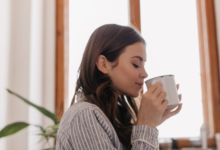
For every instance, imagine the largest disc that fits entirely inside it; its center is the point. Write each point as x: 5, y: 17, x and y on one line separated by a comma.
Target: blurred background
x: 42, y: 42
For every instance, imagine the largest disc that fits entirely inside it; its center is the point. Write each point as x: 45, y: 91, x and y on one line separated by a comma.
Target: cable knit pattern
x: 85, y: 127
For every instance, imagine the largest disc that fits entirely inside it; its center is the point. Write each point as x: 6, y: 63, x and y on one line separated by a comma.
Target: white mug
x: 169, y: 86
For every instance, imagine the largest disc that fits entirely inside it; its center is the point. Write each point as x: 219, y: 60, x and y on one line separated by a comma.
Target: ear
x: 102, y: 64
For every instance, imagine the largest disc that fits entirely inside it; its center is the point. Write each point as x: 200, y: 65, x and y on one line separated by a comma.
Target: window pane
x: 170, y: 30
x: 85, y: 16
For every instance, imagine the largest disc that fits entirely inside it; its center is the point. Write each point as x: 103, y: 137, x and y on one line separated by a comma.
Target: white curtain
x: 27, y: 67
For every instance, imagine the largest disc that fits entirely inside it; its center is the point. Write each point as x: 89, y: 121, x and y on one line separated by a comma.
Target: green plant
x: 47, y: 132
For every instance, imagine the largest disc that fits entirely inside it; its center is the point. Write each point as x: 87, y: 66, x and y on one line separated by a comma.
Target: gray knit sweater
x: 84, y: 126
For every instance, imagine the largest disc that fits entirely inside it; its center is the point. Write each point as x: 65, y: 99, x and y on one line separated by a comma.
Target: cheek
x: 129, y: 73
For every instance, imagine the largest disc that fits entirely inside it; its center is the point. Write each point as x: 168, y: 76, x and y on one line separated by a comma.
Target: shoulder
x: 84, y: 121
x: 71, y: 116
x: 79, y: 107
x: 76, y: 109
x: 83, y: 111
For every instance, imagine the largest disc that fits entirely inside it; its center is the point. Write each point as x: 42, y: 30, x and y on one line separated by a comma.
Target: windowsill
x: 168, y: 143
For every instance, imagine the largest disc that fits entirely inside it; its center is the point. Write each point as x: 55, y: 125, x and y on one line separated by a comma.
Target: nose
x: 144, y: 74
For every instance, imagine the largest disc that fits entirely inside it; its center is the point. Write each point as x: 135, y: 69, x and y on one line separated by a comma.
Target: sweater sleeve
x: 144, y: 137
x: 91, y: 133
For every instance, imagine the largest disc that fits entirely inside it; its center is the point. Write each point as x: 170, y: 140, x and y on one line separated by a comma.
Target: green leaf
x: 41, y: 109
x: 13, y: 128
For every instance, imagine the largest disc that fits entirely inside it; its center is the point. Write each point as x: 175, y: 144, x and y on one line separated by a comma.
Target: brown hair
x: 109, y: 40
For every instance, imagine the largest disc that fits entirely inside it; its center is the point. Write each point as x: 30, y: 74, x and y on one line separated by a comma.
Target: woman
x: 105, y: 116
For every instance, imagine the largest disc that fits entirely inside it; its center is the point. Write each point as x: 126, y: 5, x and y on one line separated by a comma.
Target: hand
x: 153, y: 106
x: 167, y: 114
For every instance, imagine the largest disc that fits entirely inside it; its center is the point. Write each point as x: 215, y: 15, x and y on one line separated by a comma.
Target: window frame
x: 209, y: 66
x: 62, y: 57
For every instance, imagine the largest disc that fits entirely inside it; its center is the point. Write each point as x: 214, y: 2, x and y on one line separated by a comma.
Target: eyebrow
x: 141, y: 59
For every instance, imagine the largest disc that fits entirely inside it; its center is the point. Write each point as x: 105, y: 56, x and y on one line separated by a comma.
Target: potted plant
x: 47, y: 132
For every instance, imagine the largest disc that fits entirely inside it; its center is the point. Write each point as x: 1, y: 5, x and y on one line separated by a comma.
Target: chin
x: 134, y: 95
x: 131, y: 93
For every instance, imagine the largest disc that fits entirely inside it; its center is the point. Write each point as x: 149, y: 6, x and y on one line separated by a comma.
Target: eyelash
x: 136, y: 66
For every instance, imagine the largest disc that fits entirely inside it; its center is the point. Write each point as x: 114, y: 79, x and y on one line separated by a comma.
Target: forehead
x: 136, y: 49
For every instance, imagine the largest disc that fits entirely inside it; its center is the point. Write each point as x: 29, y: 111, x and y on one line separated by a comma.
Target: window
x: 171, y: 34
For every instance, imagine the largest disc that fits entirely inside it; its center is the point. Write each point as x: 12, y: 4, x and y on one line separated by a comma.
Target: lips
x: 140, y: 85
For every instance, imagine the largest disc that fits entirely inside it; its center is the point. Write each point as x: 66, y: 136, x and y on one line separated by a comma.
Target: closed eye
x: 136, y: 66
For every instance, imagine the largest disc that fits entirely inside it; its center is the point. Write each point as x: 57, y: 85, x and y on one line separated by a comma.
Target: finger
x: 177, y: 110
x: 180, y: 97
x: 158, y: 91
x: 177, y: 87
x: 162, y: 96
x: 170, y: 109
x: 165, y: 103
x: 154, y: 87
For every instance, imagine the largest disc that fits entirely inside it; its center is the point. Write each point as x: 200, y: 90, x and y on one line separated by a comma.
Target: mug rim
x: 161, y: 76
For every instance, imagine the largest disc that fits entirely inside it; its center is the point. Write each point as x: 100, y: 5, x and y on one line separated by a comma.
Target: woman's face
x: 129, y: 74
